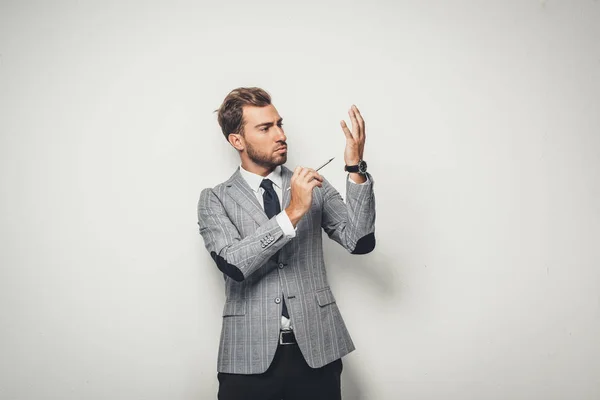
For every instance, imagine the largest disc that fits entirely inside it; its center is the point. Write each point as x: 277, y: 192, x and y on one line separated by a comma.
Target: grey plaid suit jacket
x: 242, y: 240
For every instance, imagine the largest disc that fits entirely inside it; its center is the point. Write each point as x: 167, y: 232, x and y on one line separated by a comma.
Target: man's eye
x: 264, y: 129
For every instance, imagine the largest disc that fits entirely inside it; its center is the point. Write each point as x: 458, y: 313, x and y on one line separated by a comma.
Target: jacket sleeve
x: 351, y: 224
x: 235, y: 256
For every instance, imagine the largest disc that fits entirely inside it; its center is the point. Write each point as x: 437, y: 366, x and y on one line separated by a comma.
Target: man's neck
x: 257, y: 169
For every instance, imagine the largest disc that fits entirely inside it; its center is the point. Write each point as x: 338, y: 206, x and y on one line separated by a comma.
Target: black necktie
x: 272, y: 208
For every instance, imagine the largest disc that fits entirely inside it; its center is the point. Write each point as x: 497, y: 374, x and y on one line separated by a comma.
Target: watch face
x: 362, y: 167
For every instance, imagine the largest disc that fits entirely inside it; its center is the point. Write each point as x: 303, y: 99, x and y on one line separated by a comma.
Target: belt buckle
x: 281, y: 342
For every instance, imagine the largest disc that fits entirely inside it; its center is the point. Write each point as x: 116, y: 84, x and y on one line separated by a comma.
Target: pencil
x: 324, y: 164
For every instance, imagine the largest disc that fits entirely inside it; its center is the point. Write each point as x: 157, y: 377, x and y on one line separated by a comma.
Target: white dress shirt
x: 254, y: 181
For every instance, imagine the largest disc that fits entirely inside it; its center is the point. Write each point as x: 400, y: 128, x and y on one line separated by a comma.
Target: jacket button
x: 277, y: 300
x: 281, y: 265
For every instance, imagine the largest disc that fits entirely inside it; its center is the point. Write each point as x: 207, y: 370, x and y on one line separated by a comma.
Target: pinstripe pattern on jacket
x: 242, y: 240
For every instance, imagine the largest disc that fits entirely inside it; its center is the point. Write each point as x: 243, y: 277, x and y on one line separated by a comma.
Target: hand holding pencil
x: 302, y: 183
x: 324, y: 164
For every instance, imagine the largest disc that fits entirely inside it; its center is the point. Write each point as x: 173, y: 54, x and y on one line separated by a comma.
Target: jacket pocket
x: 234, y: 307
x: 324, y: 296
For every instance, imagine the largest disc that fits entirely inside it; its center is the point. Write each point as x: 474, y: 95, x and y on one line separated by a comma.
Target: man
x: 283, y: 336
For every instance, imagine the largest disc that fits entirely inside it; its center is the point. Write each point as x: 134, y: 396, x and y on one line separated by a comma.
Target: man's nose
x: 280, y: 134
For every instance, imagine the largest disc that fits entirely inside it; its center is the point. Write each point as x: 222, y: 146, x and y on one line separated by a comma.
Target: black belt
x: 287, y: 337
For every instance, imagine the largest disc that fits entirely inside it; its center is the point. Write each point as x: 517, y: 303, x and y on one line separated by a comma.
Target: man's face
x: 264, y: 137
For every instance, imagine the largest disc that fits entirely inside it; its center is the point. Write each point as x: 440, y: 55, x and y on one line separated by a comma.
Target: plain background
x: 483, y: 137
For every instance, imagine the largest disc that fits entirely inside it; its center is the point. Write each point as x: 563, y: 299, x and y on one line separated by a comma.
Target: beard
x: 264, y: 159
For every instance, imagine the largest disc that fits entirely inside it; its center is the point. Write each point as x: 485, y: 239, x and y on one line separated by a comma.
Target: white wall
x: 483, y: 129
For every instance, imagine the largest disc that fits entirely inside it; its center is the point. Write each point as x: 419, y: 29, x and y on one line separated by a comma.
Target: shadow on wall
x: 351, y: 386
x: 377, y: 274
x: 376, y: 271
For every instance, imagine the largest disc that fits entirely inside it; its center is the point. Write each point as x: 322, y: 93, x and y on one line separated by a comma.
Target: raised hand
x: 355, y: 139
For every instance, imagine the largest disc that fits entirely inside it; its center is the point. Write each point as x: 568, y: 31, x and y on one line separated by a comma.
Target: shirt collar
x: 254, y: 180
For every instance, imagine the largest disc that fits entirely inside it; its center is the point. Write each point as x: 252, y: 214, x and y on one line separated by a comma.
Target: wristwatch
x: 361, y: 167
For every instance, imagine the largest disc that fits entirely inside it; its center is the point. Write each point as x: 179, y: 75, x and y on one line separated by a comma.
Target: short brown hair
x: 231, y: 112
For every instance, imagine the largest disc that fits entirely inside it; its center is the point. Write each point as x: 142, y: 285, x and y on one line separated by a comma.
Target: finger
x: 347, y: 132
x: 316, y: 175
x: 312, y: 174
x: 299, y: 173
x: 296, y: 173
x: 354, y: 123
x: 315, y: 183
x: 361, y: 121
x: 303, y: 172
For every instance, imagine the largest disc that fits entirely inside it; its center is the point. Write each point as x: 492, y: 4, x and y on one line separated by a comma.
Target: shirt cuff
x: 350, y: 179
x: 286, y: 225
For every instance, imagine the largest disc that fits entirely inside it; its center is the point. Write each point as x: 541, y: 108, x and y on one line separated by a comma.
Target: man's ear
x: 237, y: 141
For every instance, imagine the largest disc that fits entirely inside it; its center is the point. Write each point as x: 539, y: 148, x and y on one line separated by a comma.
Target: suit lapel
x: 286, y: 175
x: 242, y: 194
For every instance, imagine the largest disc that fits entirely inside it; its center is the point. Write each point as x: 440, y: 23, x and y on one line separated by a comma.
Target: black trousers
x: 289, y: 378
